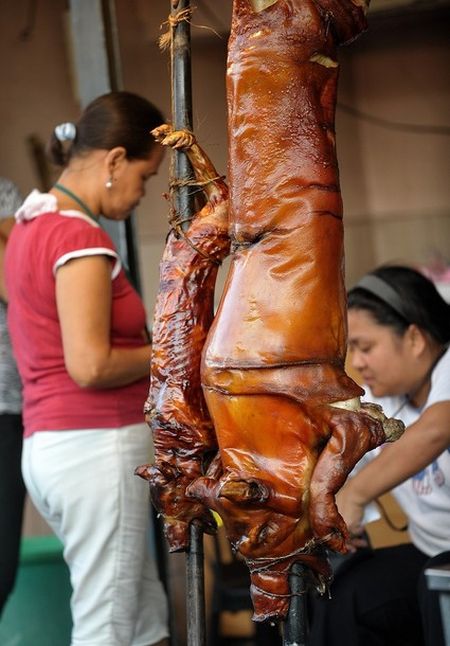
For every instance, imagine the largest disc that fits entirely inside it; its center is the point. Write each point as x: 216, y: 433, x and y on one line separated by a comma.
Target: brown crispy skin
x: 273, y: 362
x: 183, y: 433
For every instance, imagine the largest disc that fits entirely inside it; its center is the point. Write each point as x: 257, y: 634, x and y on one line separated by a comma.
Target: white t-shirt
x: 425, y: 498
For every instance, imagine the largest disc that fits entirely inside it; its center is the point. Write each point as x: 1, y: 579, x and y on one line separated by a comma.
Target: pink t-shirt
x: 52, y: 400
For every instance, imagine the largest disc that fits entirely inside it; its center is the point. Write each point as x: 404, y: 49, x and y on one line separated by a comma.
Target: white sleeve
x: 90, y: 251
x: 440, y: 381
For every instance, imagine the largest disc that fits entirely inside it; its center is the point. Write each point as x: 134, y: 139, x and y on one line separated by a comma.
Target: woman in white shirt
x: 399, y: 334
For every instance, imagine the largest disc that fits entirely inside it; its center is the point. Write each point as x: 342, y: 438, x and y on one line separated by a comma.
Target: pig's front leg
x: 353, y: 433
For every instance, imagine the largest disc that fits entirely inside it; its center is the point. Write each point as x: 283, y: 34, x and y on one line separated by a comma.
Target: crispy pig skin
x: 183, y: 433
x: 273, y: 363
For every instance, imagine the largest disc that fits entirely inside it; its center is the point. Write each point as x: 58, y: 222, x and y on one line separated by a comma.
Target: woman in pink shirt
x: 79, y: 336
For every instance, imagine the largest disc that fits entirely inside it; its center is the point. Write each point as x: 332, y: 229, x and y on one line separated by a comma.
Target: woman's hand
x: 351, y: 509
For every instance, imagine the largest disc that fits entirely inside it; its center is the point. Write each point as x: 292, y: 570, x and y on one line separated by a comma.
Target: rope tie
x: 264, y: 563
x: 176, y: 221
x: 174, y: 20
x: 202, y: 253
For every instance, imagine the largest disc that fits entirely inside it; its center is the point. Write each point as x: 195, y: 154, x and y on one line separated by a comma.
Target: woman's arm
x: 421, y: 443
x: 84, y: 297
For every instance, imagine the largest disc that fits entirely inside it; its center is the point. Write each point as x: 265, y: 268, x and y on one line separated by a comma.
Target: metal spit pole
x: 181, y: 83
x: 195, y: 604
x: 295, y: 631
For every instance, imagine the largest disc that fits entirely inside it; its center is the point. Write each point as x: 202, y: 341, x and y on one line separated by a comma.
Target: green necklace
x: 76, y: 199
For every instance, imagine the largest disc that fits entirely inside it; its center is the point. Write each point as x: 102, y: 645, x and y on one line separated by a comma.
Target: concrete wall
x: 398, y: 207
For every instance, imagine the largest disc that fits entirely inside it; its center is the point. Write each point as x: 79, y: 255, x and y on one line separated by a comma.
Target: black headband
x: 378, y: 287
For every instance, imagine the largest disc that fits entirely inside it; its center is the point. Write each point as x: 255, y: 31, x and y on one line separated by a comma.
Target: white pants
x: 83, y: 484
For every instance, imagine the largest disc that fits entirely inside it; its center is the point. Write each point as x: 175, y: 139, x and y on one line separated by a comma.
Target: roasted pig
x: 184, y: 438
x: 288, y: 419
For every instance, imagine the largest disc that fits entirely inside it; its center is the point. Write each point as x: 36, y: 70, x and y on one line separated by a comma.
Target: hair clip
x: 66, y: 131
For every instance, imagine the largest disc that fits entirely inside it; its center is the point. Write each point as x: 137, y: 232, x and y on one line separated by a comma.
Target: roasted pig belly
x: 183, y: 434
x: 288, y: 419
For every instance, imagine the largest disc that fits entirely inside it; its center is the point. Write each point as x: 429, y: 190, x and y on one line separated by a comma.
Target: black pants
x: 380, y: 598
x: 12, y: 495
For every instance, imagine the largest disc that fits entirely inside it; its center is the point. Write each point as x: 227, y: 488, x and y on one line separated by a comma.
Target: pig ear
x: 243, y: 7
x: 261, y: 5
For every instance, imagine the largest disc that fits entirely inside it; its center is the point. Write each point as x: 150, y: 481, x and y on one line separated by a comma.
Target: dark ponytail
x: 114, y: 119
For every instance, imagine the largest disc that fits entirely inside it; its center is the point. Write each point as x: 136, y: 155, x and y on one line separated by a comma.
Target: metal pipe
x: 181, y: 85
x: 295, y: 631
x: 181, y: 82
x: 195, y: 585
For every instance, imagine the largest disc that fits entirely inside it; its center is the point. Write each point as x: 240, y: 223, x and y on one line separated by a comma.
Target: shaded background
x: 393, y: 125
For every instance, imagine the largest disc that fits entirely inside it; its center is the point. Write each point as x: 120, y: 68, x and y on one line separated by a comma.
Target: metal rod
x: 181, y: 102
x: 181, y: 83
x: 195, y: 585
x: 296, y: 625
